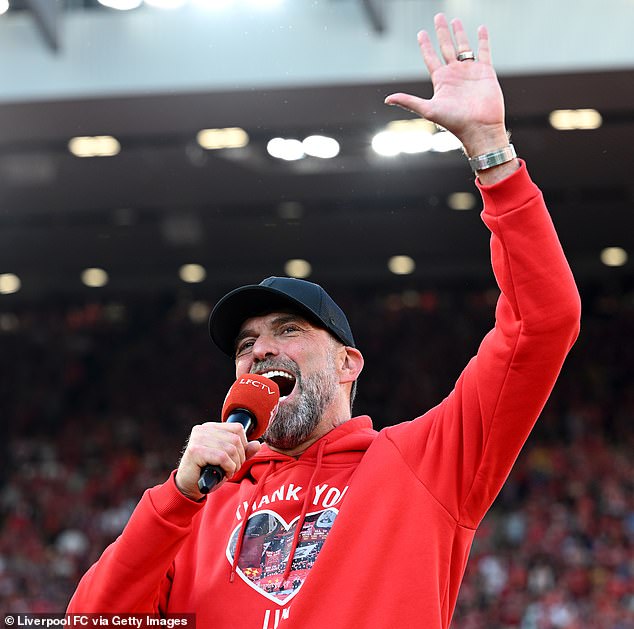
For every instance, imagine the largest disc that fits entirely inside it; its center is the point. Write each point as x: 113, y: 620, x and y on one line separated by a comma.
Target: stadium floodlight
x: 121, y: 5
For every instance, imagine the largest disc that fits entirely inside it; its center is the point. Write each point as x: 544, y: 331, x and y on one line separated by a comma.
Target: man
x: 330, y: 524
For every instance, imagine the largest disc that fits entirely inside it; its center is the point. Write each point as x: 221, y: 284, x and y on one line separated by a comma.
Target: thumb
x: 253, y: 447
x: 408, y: 102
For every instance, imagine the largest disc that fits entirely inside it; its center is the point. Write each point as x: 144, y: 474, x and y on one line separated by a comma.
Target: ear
x: 351, y: 364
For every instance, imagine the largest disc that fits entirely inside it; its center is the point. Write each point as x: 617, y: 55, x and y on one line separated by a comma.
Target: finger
x: 462, y: 41
x: 445, y: 42
x: 196, y: 458
x: 227, y: 427
x: 224, y: 456
x: 409, y: 102
x: 484, y: 50
x: 233, y: 446
x: 209, y: 444
x: 217, y: 440
x: 237, y: 429
x: 429, y: 52
x: 253, y: 447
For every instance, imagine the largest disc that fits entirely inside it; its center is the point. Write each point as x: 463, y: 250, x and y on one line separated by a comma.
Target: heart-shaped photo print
x: 266, y: 546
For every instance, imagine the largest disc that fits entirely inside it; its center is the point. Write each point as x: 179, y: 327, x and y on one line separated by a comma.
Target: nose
x: 264, y: 347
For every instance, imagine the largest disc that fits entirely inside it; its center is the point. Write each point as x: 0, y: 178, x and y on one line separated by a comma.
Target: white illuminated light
x: 320, y: 146
x: 401, y: 265
x: 413, y: 124
x: 413, y: 136
x: 614, y: 256
x: 275, y: 147
x: 121, y: 5
x: 228, y: 138
x: 415, y: 142
x: 4, y: 6
x: 265, y: 4
x: 198, y: 312
x: 386, y: 143
x: 461, y: 201
x: 575, y: 119
x: 444, y: 141
x: 165, y: 4
x: 287, y: 149
x: 293, y: 150
x: 94, y: 146
x: 392, y: 142
x: 192, y: 273
x: 94, y: 277
x: 290, y: 210
x: 9, y: 283
x: 213, y: 4
x: 9, y: 322
x: 298, y: 268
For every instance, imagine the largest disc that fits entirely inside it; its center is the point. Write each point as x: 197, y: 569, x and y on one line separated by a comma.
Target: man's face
x: 301, y: 359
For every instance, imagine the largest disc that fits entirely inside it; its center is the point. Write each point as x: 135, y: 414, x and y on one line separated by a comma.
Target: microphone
x: 252, y: 402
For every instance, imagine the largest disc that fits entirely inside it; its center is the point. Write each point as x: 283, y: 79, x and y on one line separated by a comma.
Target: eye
x: 289, y: 329
x: 244, y: 346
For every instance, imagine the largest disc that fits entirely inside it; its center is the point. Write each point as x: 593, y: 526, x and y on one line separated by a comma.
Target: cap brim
x: 243, y: 303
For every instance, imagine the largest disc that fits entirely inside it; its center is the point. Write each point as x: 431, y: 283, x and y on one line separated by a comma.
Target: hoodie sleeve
x: 134, y: 573
x: 463, y: 449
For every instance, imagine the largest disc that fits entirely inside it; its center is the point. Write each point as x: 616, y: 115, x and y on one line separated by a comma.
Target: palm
x: 464, y: 95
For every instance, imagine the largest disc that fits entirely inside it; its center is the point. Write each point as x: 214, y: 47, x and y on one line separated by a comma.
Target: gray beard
x: 297, y: 419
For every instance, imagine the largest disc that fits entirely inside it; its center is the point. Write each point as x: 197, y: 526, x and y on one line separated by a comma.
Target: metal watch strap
x: 494, y: 158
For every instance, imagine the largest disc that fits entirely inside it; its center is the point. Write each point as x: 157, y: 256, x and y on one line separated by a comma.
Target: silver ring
x: 467, y: 55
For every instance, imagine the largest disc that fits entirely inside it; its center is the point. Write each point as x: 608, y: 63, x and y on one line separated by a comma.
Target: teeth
x: 283, y: 374
x: 277, y: 373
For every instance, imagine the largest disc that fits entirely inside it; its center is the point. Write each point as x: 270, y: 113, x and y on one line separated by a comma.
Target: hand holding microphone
x: 218, y: 449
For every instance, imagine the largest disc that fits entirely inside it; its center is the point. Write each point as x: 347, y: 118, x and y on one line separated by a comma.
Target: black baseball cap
x: 276, y: 293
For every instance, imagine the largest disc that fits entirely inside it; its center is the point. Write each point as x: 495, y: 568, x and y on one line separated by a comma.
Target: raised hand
x: 467, y: 96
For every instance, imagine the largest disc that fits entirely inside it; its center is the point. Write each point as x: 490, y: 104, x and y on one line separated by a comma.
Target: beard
x: 296, y: 419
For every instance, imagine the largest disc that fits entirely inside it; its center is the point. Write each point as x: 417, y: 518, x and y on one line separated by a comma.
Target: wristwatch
x: 494, y: 158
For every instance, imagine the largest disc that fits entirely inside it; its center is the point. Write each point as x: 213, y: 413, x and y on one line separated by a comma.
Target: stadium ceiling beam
x: 375, y: 13
x: 46, y: 14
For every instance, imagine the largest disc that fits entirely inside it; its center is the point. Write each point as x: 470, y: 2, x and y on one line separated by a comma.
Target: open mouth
x: 284, y: 380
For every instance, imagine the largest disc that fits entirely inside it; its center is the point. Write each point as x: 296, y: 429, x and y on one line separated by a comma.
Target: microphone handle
x: 211, y: 475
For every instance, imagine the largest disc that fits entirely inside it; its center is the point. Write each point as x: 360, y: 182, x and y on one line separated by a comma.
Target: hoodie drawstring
x: 243, y: 528
x: 302, y: 516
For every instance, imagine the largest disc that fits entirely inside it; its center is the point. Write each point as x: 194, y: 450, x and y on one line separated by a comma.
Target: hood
x: 343, y: 445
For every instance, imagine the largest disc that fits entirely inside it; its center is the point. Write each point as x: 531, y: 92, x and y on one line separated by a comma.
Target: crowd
x: 98, y: 398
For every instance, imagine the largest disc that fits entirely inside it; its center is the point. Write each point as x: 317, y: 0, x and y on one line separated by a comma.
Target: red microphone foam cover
x: 256, y: 394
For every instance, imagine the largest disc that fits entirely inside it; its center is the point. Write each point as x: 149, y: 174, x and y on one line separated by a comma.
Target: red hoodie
x: 379, y: 524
